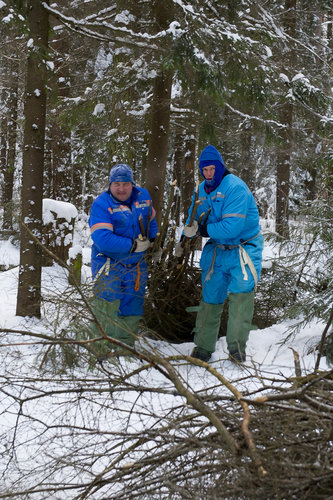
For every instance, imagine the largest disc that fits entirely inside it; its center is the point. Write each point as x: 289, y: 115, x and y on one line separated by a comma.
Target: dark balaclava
x: 211, y: 156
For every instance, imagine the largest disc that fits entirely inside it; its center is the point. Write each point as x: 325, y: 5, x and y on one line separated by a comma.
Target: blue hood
x: 211, y: 156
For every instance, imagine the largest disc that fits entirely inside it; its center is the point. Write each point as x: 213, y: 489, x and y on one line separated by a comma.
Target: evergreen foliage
x: 260, y: 90
x: 234, y: 65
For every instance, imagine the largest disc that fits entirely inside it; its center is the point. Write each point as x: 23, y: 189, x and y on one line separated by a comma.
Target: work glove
x: 140, y: 245
x: 190, y: 231
x: 203, y: 231
x: 156, y: 256
x: 179, y: 249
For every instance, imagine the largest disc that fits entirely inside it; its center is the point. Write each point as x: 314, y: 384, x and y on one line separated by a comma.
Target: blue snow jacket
x: 234, y: 214
x: 114, y: 226
x: 233, y: 220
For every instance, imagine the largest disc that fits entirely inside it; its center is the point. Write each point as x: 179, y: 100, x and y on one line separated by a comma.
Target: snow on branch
x: 256, y: 118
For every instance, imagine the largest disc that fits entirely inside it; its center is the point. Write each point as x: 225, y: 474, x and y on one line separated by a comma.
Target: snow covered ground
x: 270, y: 358
x: 266, y: 347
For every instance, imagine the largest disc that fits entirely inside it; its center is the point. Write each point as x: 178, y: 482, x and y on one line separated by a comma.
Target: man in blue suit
x: 117, y: 219
x: 231, y: 258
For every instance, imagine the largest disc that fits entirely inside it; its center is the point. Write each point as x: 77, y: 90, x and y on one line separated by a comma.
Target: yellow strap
x: 211, y: 267
x: 137, y: 281
x: 245, y: 259
x: 105, y: 267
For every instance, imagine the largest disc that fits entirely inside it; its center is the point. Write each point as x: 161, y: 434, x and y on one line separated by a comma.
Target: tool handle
x: 142, y: 236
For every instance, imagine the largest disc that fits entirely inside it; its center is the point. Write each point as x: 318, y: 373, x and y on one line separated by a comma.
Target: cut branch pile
x: 174, y: 283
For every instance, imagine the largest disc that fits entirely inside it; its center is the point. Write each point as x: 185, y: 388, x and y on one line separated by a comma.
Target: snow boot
x: 237, y: 357
x: 207, y: 327
x: 201, y: 354
x: 126, y: 329
x: 240, y: 313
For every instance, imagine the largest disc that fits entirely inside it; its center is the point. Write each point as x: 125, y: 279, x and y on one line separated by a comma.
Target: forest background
x: 150, y: 83
x: 85, y: 85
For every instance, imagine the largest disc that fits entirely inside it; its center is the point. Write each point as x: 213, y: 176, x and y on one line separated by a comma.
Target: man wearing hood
x: 231, y: 258
x: 118, y: 262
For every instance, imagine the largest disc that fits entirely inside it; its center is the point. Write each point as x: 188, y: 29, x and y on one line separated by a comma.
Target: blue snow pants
x: 126, y: 282
x: 222, y: 271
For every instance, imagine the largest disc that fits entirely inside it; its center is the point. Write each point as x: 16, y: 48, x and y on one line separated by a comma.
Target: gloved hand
x: 156, y: 256
x: 203, y: 230
x: 141, y: 245
x: 179, y: 249
x: 190, y: 231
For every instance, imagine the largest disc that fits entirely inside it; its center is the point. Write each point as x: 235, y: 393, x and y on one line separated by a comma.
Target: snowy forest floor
x: 266, y: 347
x: 35, y: 448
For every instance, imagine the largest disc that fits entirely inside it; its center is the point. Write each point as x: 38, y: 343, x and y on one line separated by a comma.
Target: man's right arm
x: 102, y: 231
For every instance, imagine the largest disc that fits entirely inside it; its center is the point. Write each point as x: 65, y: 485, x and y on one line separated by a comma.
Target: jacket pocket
x: 217, y: 208
x: 122, y: 224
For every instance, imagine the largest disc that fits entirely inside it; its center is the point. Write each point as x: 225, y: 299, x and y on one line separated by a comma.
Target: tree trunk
x: 329, y: 174
x: 3, y: 151
x: 158, y: 147
x: 29, y: 287
x: 160, y: 120
x: 7, y: 195
x: 285, y: 148
x: 188, y: 177
x: 178, y: 173
x: 60, y: 140
x: 247, y: 166
x: 61, y: 163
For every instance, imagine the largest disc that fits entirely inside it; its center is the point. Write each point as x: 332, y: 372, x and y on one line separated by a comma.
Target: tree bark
x: 57, y: 158
x: 247, y: 165
x: 7, y: 195
x: 160, y: 120
x: 188, y: 177
x: 158, y: 147
x: 178, y: 173
x: 286, y: 117
x: 3, y: 147
x: 29, y: 286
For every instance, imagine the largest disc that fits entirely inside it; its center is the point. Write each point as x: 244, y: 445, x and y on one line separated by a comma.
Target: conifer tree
x: 29, y: 287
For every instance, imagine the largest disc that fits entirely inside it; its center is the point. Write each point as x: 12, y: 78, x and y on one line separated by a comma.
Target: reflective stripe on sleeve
x: 241, y: 216
x: 101, y: 225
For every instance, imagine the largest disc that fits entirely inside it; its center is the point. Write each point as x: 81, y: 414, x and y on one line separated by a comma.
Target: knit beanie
x: 121, y: 173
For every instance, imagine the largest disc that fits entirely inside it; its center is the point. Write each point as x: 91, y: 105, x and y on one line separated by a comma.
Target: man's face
x: 208, y: 172
x: 121, y: 190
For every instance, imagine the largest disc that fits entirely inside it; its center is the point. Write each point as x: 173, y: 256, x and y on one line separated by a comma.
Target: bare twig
x: 322, y: 340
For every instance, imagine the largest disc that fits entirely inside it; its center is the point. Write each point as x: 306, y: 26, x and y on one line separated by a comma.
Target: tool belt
x: 244, y: 259
x: 106, y: 270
